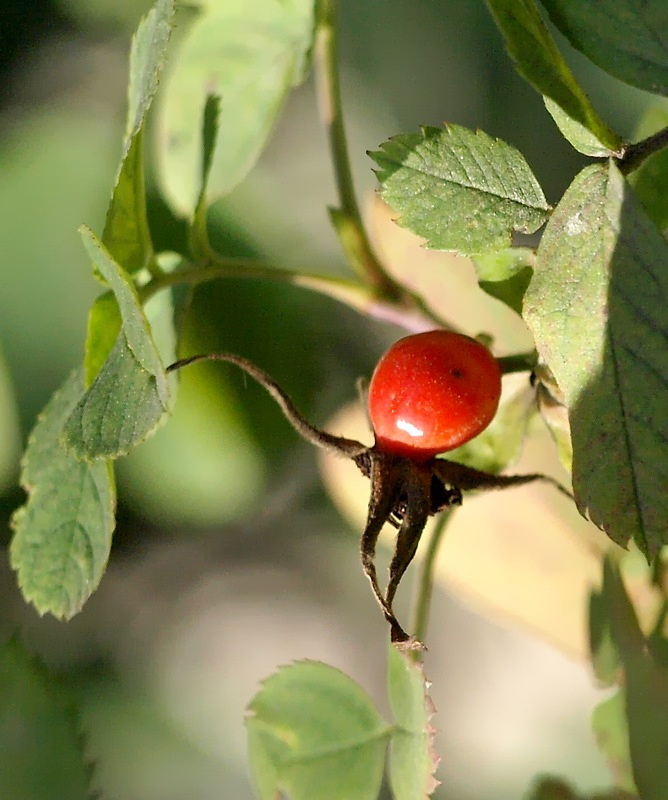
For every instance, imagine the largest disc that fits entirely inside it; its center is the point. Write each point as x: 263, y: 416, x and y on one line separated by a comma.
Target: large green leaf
x: 62, y: 536
x: 126, y: 233
x: 597, y: 309
x: 248, y: 54
x: 538, y: 60
x: 41, y: 748
x: 313, y: 732
x: 130, y: 395
x: 628, y: 39
x: 413, y: 760
x: 459, y: 189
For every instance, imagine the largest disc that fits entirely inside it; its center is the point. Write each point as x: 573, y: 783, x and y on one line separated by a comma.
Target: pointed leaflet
x: 130, y: 395
x: 581, y: 138
x: 62, y: 535
x: 249, y: 54
x: 126, y: 233
x: 626, y: 38
x: 412, y: 757
x: 313, y: 732
x: 597, y: 309
x: 41, y: 752
x: 538, y: 60
x: 459, y: 189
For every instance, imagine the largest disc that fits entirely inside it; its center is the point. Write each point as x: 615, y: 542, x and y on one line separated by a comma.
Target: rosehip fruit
x: 431, y: 393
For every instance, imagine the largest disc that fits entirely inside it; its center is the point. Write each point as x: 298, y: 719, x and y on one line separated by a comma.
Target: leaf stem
x: 414, y: 316
x: 347, y: 219
x: 635, y: 154
x: 425, y: 584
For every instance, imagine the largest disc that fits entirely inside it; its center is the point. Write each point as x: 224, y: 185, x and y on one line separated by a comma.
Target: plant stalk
x: 635, y: 154
x: 425, y: 584
x: 347, y: 219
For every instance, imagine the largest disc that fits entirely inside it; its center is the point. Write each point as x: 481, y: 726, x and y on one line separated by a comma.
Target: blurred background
x: 230, y: 557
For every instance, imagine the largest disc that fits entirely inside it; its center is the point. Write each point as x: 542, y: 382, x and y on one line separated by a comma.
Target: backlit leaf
x: 248, y: 54
x: 62, y: 535
x: 313, y: 732
x: 596, y: 307
x: 460, y: 190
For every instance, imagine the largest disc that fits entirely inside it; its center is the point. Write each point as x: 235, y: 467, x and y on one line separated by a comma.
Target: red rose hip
x: 432, y: 392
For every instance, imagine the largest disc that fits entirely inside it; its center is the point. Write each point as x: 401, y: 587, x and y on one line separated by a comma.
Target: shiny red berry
x: 432, y: 392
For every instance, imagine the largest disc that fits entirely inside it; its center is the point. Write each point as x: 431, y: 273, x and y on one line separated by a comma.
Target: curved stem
x: 414, y: 317
x: 635, y: 154
x: 217, y: 267
x: 426, y: 581
x: 347, y: 218
x: 322, y: 439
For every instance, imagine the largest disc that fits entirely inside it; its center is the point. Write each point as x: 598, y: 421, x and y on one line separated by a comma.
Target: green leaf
x: 646, y: 690
x: 62, y: 535
x: 412, y: 758
x: 104, y: 325
x: 505, y: 275
x: 459, y: 189
x: 538, y: 60
x: 597, y: 309
x: 248, y: 54
x: 313, y: 732
x: 625, y: 38
x: 130, y: 395
x: 126, y: 232
x: 611, y: 732
x: 147, y: 58
x: 651, y: 178
x: 40, y: 743
x: 582, y: 139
